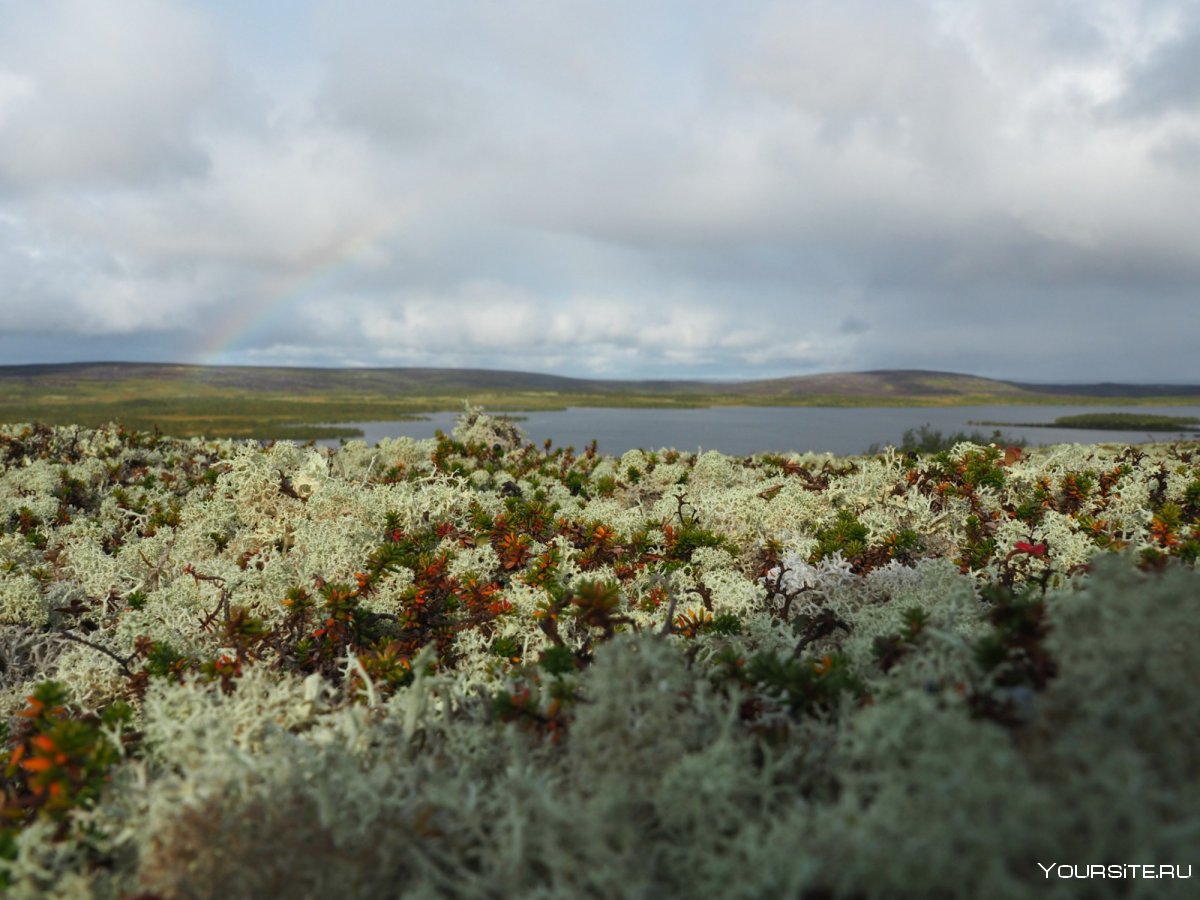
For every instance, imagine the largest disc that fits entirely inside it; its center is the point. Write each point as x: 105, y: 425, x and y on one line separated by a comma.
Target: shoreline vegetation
x: 1110, y: 422
x: 474, y: 666
x: 927, y: 440
x: 299, y: 403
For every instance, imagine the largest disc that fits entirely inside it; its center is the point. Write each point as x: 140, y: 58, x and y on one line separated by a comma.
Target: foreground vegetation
x: 927, y: 439
x: 474, y: 667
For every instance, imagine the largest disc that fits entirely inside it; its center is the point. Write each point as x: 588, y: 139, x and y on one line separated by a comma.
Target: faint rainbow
x: 228, y: 332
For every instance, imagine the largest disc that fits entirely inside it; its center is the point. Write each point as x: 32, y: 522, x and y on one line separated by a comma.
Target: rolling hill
x: 288, y: 402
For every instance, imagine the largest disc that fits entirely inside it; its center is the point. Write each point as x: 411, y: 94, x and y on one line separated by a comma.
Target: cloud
x: 584, y: 333
x: 103, y: 93
x: 885, y: 72
x: 601, y: 188
x: 853, y: 325
x: 1066, y: 335
x: 1179, y: 151
x: 1167, y: 81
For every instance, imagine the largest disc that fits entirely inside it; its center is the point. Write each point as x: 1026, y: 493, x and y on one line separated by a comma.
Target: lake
x: 741, y: 431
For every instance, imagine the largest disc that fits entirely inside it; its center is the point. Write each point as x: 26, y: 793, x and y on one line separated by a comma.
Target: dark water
x: 740, y: 431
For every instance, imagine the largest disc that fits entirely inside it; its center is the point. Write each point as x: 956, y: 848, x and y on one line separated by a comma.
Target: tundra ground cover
x: 477, y: 667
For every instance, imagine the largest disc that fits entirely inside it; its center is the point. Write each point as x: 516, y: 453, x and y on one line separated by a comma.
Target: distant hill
x: 273, y: 379
x: 251, y: 401
x: 915, y: 383
x: 1114, y: 390
x: 890, y: 384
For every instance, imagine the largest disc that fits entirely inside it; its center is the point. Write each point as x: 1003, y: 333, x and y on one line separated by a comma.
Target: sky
x: 605, y: 188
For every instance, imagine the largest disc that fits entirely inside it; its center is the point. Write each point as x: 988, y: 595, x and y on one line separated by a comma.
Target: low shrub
x: 472, y: 667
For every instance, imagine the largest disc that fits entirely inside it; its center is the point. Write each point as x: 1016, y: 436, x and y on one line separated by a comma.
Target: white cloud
x: 492, y: 324
x: 15, y: 91
x: 108, y: 92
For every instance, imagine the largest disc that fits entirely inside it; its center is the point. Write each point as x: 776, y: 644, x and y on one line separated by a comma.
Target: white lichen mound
x: 659, y: 675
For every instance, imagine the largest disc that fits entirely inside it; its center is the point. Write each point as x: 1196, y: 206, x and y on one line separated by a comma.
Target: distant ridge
x: 271, y: 402
x: 1114, y: 389
x: 883, y: 384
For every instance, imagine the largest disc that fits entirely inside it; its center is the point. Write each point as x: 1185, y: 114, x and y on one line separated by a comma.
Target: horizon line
x: 701, y: 380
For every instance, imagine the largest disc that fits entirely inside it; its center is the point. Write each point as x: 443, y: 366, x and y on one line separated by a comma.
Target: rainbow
x: 313, y: 276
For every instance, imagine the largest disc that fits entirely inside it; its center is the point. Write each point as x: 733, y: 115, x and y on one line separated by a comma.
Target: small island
x: 1111, y: 422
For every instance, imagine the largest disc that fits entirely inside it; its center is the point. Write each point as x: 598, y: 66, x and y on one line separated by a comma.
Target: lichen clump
x: 475, y: 667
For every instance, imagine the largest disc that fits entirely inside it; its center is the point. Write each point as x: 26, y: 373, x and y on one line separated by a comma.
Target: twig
x: 123, y: 662
x: 669, y: 624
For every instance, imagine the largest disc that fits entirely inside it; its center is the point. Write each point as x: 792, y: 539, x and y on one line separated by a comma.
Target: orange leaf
x: 44, y: 742
x: 34, y: 709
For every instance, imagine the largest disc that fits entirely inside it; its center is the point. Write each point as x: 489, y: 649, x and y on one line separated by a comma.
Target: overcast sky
x: 609, y: 188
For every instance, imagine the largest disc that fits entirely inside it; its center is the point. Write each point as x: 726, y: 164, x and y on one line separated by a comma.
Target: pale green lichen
x: 21, y: 600
x: 672, y: 769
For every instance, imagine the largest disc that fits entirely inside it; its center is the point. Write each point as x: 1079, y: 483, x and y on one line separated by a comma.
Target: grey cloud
x: 598, y: 187
x: 101, y: 95
x: 853, y: 325
x: 1040, y: 336
x: 18, y: 348
x: 999, y: 251
x: 1180, y: 152
x: 1167, y: 82
x: 403, y: 102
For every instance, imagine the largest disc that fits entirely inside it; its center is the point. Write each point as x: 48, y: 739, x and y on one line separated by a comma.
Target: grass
x: 244, y: 414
